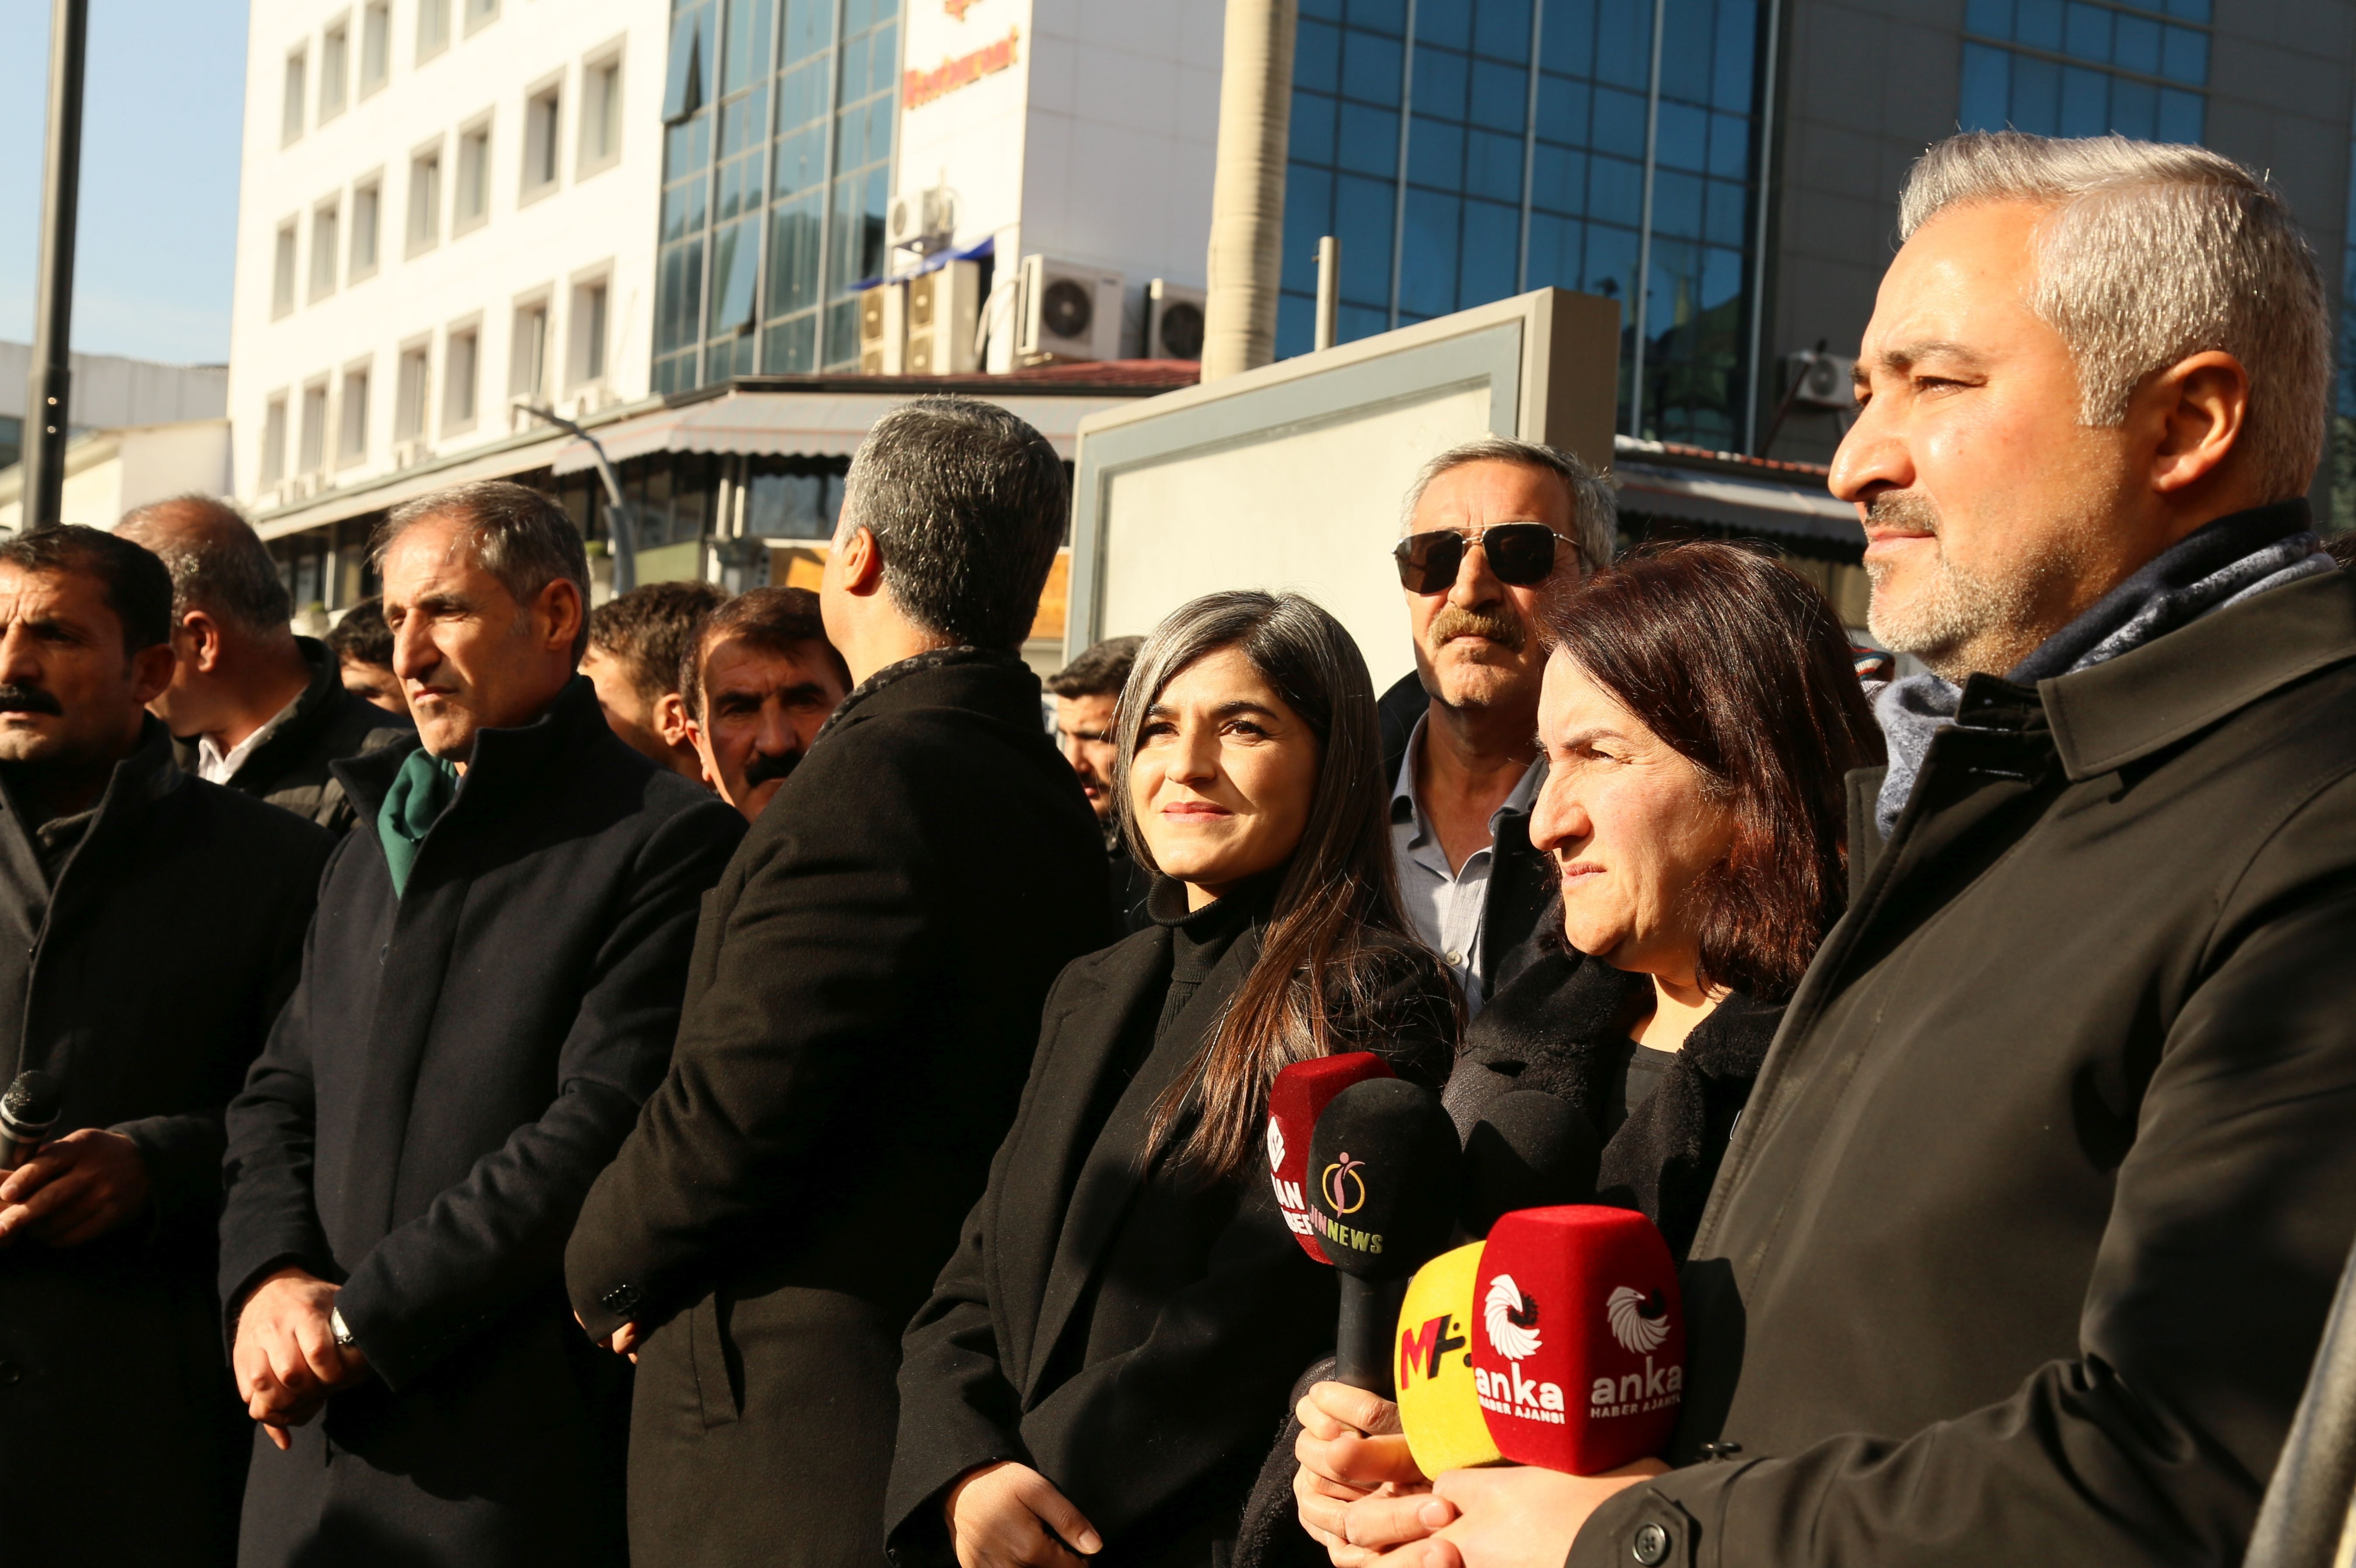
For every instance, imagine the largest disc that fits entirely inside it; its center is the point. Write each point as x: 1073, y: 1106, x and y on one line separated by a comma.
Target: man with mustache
x: 758, y: 680
x: 1492, y: 526
x: 153, y: 925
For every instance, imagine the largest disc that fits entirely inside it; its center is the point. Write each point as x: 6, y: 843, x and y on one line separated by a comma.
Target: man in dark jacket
x: 488, y: 993
x: 253, y: 706
x: 1086, y: 692
x: 1460, y: 734
x: 863, y: 1006
x: 2025, y: 1241
x: 154, y: 925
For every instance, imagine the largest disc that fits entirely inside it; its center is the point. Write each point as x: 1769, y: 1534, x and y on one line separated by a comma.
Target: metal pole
x: 1644, y: 289
x: 1245, y: 262
x: 47, y: 400
x: 1329, y: 290
x: 626, y: 529
x: 1759, y: 268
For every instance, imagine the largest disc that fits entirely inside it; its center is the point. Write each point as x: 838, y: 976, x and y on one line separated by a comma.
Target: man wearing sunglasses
x: 1492, y: 526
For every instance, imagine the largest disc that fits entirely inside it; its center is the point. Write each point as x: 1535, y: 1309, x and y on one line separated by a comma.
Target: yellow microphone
x: 1438, y: 1404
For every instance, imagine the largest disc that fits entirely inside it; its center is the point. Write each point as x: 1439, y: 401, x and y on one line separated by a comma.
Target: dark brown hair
x: 776, y: 619
x: 1740, y: 666
x: 647, y: 631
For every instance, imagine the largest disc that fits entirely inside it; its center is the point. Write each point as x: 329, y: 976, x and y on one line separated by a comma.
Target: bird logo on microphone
x: 1639, y: 1322
x: 1512, y: 1320
x: 1338, y: 1180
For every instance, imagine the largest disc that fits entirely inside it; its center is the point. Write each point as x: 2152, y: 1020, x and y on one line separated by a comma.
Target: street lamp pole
x: 47, y: 405
x: 626, y: 527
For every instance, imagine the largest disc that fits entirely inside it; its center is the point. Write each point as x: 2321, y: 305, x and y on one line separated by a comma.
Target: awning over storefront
x: 500, y: 460
x: 1657, y: 482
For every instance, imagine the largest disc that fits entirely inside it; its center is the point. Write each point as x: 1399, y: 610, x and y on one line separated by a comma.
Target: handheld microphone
x: 1295, y: 1100
x: 1438, y: 1405
x: 27, y: 1111
x: 1578, y: 1363
x: 1384, y: 1161
x: 1529, y: 1150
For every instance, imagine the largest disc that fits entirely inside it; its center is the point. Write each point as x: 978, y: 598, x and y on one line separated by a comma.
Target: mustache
x: 28, y: 700
x: 763, y: 767
x: 1507, y: 632
x: 1905, y: 510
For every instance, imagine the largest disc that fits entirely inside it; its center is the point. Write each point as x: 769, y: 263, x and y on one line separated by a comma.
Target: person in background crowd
x: 1084, y: 691
x: 2024, y: 1248
x: 252, y: 705
x: 866, y: 993
x: 759, y: 678
x: 1098, y: 1360
x: 636, y: 643
x: 362, y: 644
x: 1693, y: 808
x: 489, y: 992
x: 1493, y: 528
x: 155, y: 925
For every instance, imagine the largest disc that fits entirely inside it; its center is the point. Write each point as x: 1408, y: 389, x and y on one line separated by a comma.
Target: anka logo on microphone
x: 1511, y: 1320
x: 1639, y: 1322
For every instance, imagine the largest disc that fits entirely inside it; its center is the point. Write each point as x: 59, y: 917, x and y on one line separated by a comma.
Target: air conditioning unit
x: 922, y: 221
x: 1070, y: 311
x: 884, y: 330
x: 1174, y: 321
x: 943, y: 307
x: 1820, y: 380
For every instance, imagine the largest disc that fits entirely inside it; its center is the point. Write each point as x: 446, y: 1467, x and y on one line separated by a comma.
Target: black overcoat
x: 455, y: 1067
x: 863, y: 1001
x: 2023, y: 1247
x: 145, y: 981
x: 294, y: 767
x: 1127, y: 1330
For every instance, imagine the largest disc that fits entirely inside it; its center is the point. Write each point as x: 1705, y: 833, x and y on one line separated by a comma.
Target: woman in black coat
x: 1101, y: 1359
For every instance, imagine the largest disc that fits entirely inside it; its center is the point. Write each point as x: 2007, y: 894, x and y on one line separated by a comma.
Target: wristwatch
x: 335, y: 1325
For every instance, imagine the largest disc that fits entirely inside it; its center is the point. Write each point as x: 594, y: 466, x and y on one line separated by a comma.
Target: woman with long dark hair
x: 1099, y: 1363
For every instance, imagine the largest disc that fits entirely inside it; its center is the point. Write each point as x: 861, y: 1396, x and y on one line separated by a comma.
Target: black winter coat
x: 293, y: 768
x: 145, y: 981
x: 863, y: 999
x: 2023, y: 1248
x: 1126, y: 1328
x: 455, y: 1067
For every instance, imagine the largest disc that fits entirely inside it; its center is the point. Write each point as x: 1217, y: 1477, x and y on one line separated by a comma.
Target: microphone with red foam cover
x: 1383, y: 1166
x: 1299, y: 1097
x: 1578, y: 1354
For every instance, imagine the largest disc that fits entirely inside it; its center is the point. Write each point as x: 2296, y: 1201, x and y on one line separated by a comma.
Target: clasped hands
x: 1362, y: 1498
x: 286, y: 1360
x: 1010, y: 1516
x: 76, y: 1190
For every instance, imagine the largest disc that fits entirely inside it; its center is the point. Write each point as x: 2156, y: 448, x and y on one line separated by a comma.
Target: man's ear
x: 560, y: 604
x: 859, y: 560
x: 197, y: 639
x: 150, y: 672
x: 671, y: 721
x: 2193, y: 414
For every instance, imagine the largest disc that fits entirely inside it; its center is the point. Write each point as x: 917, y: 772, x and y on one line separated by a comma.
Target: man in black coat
x: 252, y: 706
x: 154, y: 927
x: 863, y: 1006
x: 489, y: 991
x: 2025, y: 1241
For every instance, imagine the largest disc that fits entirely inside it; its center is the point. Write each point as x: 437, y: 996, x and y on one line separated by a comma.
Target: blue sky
x: 160, y: 122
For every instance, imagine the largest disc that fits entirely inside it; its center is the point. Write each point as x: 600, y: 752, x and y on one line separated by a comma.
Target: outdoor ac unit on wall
x: 1070, y: 311
x: 884, y: 330
x: 1174, y: 321
x: 1820, y: 380
x: 943, y: 307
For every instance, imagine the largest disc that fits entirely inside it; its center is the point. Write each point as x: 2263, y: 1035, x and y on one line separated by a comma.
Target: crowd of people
x: 717, y: 1079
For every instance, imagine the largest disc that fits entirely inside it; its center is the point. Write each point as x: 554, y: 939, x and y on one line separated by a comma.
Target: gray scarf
x: 2226, y: 561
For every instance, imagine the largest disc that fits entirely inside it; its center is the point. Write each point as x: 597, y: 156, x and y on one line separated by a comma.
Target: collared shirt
x: 1447, y: 905
x: 216, y: 766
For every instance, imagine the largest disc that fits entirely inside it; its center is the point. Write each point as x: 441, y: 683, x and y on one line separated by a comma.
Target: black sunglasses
x: 1519, y: 553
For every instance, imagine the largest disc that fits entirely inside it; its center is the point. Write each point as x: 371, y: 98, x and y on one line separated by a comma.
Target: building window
x: 312, y: 457
x: 600, y: 114
x: 290, y: 114
x: 282, y: 272
x: 334, y: 67
x: 527, y: 352
x: 367, y: 216
x: 326, y: 245
x: 409, y: 393
x: 543, y: 115
x: 460, y: 355
x: 481, y: 12
x: 352, y: 418
x: 433, y: 29
x: 274, y: 440
x: 474, y: 193
x: 424, y: 198
x: 2069, y: 68
x: 584, y: 360
x: 376, y: 45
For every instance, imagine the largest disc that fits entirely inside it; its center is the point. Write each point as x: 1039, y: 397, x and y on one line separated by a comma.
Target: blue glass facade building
x: 2075, y: 68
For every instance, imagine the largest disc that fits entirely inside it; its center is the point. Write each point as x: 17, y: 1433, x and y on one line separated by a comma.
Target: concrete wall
x: 110, y: 472
x: 109, y: 389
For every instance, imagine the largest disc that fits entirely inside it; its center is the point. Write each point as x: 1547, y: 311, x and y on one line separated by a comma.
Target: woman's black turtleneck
x: 1199, y: 938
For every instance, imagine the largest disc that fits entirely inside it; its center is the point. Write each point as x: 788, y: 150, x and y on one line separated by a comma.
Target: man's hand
x: 1010, y: 1516
x: 1515, y: 1515
x: 623, y: 1341
x: 1352, y: 1456
x: 286, y: 1360
x: 76, y: 1190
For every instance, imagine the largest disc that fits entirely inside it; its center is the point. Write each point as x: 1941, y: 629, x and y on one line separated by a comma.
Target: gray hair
x: 968, y: 504
x: 219, y: 564
x: 518, y: 534
x: 2152, y: 253
x: 1594, y: 507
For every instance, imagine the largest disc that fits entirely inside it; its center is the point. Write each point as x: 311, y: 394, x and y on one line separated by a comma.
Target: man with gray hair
x: 868, y: 985
x: 488, y: 994
x: 2024, y: 1246
x: 250, y: 705
x: 1492, y: 527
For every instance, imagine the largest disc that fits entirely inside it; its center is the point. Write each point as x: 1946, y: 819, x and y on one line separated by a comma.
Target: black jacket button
x: 622, y: 1299
x: 1650, y: 1546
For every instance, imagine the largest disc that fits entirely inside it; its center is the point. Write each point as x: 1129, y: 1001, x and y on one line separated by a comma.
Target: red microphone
x: 1299, y: 1097
x: 1578, y: 1358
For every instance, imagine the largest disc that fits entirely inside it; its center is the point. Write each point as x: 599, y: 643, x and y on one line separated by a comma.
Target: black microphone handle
x: 15, y: 1151
x: 1362, y: 1338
